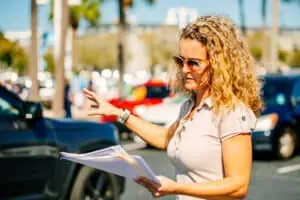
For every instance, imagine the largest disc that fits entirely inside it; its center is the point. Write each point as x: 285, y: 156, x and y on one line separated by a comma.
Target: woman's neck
x: 200, y: 96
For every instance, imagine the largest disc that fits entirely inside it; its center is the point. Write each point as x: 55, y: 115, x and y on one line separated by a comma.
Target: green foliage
x: 13, y: 55
x: 49, y: 61
x: 256, y: 52
x: 130, y: 3
x: 255, y: 42
x: 89, y: 10
x: 75, y: 15
x: 294, y: 58
x: 283, y: 55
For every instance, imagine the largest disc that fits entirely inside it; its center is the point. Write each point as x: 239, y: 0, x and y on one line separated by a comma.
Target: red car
x: 150, y: 93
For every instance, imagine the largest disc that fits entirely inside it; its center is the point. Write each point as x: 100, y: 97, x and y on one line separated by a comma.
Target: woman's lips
x: 188, y: 79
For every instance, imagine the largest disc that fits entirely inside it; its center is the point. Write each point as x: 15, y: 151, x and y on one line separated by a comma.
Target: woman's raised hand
x: 101, y: 106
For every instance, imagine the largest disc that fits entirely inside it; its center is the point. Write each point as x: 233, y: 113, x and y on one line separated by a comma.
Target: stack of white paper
x: 114, y: 160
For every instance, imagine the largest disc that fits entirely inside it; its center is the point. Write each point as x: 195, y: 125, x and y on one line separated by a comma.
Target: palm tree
x: 61, y: 8
x: 87, y: 10
x: 266, y: 48
x: 123, y: 5
x: 274, y: 35
x: 34, y: 92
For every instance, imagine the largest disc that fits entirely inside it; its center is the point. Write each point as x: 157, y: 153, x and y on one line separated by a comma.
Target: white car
x: 163, y: 114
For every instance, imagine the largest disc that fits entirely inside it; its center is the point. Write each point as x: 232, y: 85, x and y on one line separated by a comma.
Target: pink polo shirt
x: 196, y: 146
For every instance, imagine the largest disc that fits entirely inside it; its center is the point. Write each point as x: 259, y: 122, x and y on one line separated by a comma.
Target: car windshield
x: 275, y: 92
x: 6, y: 108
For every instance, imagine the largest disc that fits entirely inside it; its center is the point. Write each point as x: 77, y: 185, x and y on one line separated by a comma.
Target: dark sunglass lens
x: 192, y: 63
x: 178, y: 61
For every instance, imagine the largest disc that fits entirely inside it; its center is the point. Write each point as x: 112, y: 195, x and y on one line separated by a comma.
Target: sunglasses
x: 193, y: 63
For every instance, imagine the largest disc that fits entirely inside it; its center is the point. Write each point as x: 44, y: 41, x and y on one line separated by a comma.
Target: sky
x: 15, y: 14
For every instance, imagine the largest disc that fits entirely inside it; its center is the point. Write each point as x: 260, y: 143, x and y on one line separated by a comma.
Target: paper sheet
x: 114, y: 160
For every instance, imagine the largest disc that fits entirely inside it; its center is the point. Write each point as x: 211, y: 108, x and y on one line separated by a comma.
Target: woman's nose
x: 185, y: 68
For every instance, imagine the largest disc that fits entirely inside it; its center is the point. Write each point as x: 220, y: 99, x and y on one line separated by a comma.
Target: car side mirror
x: 33, y: 110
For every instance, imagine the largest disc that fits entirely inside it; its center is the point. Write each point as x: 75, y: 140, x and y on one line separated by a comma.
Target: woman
x: 210, y: 142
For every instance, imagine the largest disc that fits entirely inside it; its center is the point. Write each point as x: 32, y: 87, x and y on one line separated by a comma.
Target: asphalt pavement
x: 271, y: 179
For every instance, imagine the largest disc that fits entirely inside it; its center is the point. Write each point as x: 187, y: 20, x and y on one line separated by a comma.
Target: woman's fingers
x: 93, y: 100
x: 92, y: 96
x: 94, y: 114
x: 151, y: 183
x: 90, y: 93
x: 152, y: 187
x: 95, y: 105
x: 86, y: 91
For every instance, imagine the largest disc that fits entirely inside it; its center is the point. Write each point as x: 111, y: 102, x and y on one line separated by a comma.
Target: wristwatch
x: 124, y: 116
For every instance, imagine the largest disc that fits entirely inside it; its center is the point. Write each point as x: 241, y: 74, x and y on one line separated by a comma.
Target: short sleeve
x: 240, y: 119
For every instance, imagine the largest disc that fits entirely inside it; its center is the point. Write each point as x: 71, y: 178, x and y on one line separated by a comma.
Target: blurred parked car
x: 170, y: 108
x: 163, y: 114
x: 278, y: 129
x: 148, y: 94
x: 29, y: 150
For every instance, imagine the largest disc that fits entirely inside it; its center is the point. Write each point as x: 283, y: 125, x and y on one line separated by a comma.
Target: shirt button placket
x: 177, y: 140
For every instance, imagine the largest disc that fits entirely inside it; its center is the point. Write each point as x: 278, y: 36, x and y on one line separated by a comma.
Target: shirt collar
x: 207, y: 102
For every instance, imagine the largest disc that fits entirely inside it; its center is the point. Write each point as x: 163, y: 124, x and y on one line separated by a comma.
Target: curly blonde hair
x: 233, y: 74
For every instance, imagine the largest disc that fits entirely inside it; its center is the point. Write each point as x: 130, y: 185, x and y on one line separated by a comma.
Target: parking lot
x: 271, y: 179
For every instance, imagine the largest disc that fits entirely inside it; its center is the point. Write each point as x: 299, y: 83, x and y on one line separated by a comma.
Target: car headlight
x: 266, y: 122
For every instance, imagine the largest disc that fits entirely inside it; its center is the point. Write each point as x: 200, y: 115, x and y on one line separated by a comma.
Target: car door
x: 295, y: 98
x: 25, y: 160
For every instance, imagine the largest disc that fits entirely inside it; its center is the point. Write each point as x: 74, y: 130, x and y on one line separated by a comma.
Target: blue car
x: 278, y: 129
x: 29, y: 151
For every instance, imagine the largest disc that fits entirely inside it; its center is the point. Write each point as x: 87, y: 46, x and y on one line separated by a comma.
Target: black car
x: 278, y: 129
x: 29, y: 154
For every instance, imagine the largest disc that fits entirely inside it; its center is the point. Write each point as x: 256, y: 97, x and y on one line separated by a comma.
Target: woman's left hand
x: 166, y: 186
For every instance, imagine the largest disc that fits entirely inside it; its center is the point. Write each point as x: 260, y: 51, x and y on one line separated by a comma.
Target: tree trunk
x: 60, y: 28
x: 121, y: 42
x: 274, y: 38
x: 265, y: 42
x: 74, y: 49
x: 242, y: 16
x: 33, y: 67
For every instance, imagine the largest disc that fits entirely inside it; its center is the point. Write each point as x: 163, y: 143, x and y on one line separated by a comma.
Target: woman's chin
x: 190, y: 87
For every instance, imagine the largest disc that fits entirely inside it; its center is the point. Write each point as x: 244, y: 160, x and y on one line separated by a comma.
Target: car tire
x: 92, y: 183
x: 286, y: 144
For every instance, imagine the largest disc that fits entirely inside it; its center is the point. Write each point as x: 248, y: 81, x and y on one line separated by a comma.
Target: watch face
x: 124, y: 116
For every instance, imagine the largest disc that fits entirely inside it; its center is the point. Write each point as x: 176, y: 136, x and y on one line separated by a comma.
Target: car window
x: 157, y: 92
x: 296, y: 90
x: 7, y: 109
x: 296, y: 93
